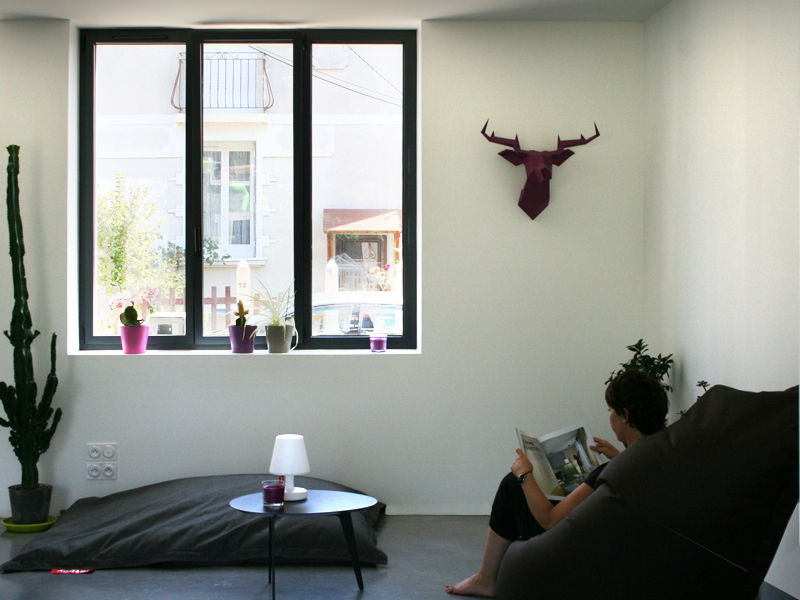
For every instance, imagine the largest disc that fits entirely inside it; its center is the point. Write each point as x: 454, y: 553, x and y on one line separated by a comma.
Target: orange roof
x: 360, y: 220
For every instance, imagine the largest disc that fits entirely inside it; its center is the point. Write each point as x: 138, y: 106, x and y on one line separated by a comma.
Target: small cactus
x: 129, y: 317
x: 241, y: 314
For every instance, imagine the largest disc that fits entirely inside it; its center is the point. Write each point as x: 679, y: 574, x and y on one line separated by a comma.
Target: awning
x: 361, y: 220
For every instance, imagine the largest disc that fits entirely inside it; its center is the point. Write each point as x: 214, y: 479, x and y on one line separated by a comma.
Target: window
x: 229, y: 200
x: 215, y: 165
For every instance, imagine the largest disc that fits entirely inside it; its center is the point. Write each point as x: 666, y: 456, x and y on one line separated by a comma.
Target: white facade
x: 248, y: 192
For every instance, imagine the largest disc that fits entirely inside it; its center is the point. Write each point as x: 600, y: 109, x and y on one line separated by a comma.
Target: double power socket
x: 102, y: 463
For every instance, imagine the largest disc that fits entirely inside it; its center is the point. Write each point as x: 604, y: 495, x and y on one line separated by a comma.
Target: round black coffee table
x: 319, y: 502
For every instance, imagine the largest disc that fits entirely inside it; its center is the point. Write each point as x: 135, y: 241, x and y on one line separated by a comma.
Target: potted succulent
x: 242, y: 335
x: 31, y: 423
x: 276, y: 316
x: 133, y: 332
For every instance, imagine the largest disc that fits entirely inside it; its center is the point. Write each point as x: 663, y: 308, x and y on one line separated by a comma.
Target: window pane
x: 139, y: 199
x: 357, y: 189
x: 248, y: 180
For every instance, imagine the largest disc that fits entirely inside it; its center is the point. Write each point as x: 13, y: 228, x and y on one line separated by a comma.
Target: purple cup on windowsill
x: 377, y: 343
x: 273, y: 489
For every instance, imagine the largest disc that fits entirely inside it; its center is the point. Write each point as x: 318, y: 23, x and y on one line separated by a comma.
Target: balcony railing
x: 231, y: 81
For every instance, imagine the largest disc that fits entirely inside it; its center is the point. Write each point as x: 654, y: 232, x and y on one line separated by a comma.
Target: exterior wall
x: 356, y: 136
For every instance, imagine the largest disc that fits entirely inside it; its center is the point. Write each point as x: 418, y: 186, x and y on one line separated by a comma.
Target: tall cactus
x: 29, y: 421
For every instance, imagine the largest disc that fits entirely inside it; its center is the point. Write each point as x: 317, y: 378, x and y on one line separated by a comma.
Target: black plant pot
x: 29, y: 507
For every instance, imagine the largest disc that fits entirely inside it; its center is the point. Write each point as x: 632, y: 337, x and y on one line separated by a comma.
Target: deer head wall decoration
x: 535, y: 194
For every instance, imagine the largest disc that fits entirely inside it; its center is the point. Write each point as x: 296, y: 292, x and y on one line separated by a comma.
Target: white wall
x: 522, y: 320
x: 34, y: 92
x: 723, y: 96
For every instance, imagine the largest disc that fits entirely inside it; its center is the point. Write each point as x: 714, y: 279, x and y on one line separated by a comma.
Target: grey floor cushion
x: 188, y: 521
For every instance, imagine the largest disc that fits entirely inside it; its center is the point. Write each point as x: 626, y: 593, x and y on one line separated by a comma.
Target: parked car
x: 357, y: 313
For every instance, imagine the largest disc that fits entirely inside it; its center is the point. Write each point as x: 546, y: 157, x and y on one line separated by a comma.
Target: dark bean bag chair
x: 695, y: 511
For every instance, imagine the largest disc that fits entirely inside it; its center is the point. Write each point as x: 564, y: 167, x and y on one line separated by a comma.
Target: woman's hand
x: 604, y: 447
x: 521, y: 464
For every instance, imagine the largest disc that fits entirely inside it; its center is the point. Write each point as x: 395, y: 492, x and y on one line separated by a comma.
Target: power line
x: 347, y: 85
x: 378, y: 73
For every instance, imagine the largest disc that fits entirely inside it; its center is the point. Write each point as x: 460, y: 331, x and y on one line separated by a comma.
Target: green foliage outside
x: 133, y: 264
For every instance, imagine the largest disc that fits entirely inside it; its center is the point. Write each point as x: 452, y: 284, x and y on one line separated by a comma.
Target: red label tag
x: 71, y: 571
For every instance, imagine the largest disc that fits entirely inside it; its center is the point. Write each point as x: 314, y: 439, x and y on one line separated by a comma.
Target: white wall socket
x: 102, y: 460
x: 101, y: 450
x: 101, y: 470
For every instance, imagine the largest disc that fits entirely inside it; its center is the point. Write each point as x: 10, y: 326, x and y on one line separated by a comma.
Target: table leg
x: 347, y: 527
x: 272, y: 555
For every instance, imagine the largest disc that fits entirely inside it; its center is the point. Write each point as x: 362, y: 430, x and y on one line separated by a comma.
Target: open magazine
x: 561, y: 460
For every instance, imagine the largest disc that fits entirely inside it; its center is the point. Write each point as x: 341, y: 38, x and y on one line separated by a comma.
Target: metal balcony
x: 231, y: 81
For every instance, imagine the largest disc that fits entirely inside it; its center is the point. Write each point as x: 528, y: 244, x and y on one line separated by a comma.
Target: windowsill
x: 218, y: 352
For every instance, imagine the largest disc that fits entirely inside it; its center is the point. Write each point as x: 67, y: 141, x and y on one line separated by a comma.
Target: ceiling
x: 320, y: 13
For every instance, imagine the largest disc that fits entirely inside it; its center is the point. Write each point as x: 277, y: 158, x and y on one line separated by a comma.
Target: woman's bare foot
x: 476, y: 585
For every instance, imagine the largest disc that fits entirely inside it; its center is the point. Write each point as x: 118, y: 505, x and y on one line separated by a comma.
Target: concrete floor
x: 425, y: 552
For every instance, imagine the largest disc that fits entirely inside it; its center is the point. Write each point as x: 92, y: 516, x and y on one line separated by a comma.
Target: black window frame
x: 302, y: 41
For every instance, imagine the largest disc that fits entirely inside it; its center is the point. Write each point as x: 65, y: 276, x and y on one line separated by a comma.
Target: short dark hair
x: 643, y: 396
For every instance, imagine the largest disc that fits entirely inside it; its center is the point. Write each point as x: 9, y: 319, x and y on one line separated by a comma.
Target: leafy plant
x: 130, y: 318
x: 130, y: 260
x: 29, y: 421
x: 211, y: 252
x: 701, y: 384
x: 656, y: 366
x: 127, y: 235
x: 175, y: 253
x: 276, y: 309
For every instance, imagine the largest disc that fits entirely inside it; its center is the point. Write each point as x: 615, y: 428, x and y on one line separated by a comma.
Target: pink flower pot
x: 134, y: 339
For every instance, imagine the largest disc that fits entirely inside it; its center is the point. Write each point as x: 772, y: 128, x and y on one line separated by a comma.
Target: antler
x: 577, y: 142
x: 500, y: 140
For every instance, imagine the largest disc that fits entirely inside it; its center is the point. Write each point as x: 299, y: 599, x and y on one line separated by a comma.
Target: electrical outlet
x: 101, y: 470
x: 102, y: 462
x: 110, y: 451
x: 101, y: 450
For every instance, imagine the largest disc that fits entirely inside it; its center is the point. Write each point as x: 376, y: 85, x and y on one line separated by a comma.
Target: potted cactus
x: 31, y: 422
x: 242, y: 335
x: 133, y: 332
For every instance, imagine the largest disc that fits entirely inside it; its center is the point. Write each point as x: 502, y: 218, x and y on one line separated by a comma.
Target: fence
x: 218, y: 309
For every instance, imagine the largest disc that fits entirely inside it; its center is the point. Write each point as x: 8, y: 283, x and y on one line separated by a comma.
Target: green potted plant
x: 657, y: 366
x: 276, y: 315
x: 134, y: 332
x: 31, y: 422
x: 242, y: 335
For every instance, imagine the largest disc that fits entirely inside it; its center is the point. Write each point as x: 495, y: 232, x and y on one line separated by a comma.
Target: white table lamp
x: 289, y: 458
